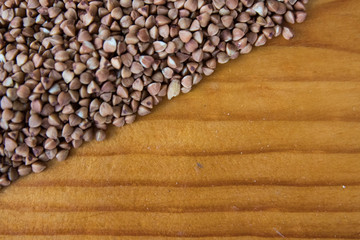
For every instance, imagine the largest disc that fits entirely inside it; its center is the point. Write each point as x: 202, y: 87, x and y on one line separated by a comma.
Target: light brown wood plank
x: 90, y: 237
x: 309, y: 225
x: 283, y: 169
x: 232, y: 137
x: 267, y: 101
x: 189, y: 199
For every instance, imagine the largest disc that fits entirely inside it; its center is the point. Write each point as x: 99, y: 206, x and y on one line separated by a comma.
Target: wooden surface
x: 266, y: 148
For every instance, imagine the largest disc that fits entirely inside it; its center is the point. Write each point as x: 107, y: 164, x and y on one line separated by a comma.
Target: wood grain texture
x: 266, y: 148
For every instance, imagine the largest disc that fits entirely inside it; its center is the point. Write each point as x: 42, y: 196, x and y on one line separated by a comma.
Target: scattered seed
x: 24, y: 170
x: 38, y: 167
x: 287, y: 33
x: 62, y: 155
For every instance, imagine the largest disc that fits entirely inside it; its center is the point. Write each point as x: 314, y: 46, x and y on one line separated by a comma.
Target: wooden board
x: 267, y: 147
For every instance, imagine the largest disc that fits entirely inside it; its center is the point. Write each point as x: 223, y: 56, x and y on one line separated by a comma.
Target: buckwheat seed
x: 69, y: 69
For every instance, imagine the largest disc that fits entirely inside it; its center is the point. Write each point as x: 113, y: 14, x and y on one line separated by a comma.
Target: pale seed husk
x: 173, y: 89
x: 100, y: 135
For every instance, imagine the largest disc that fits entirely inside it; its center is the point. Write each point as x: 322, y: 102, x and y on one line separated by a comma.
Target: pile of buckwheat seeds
x: 69, y: 68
